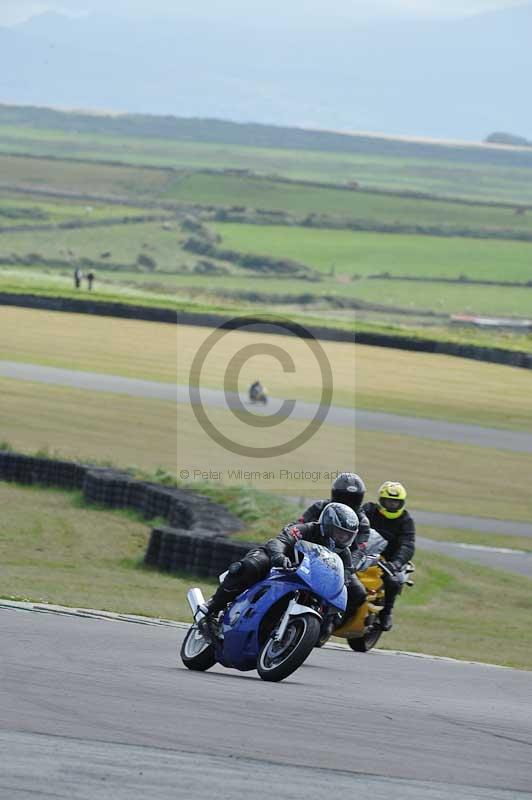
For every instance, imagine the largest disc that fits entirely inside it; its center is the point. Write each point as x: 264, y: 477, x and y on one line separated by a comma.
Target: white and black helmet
x: 348, y: 488
x: 339, y: 524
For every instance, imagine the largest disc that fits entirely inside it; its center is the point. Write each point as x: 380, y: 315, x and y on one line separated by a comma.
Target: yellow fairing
x: 356, y: 626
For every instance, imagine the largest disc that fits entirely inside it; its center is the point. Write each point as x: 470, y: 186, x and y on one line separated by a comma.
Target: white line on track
x: 109, y: 616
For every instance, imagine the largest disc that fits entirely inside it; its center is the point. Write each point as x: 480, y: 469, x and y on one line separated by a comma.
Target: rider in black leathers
x: 347, y: 488
x: 390, y: 518
x: 279, y: 552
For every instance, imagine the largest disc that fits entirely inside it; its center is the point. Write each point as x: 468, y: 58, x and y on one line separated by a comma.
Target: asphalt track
x: 500, y: 558
x: 516, y: 441
x: 102, y: 709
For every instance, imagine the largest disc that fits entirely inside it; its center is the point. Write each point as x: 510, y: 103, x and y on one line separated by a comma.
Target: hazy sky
x: 13, y: 11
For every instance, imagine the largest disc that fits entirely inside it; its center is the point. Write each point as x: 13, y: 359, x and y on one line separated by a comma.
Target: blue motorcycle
x: 273, y: 626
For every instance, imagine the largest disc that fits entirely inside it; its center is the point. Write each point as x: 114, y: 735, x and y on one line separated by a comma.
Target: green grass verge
x: 455, y: 610
x: 50, y: 284
x: 54, y: 549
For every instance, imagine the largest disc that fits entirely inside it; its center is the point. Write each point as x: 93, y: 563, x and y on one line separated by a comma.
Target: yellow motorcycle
x: 363, y: 630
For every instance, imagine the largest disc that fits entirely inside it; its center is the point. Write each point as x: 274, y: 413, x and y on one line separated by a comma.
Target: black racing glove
x: 392, y: 567
x: 280, y: 560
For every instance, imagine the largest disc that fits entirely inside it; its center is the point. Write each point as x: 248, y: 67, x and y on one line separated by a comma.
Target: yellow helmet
x: 392, y: 497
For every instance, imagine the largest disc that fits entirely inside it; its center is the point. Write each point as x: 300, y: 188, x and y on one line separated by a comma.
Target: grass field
x: 439, y: 387
x: 266, y: 193
x: 371, y: 254
x: 443, y: 176
x: 422, y: 296
x: 82, y: 178
x: 150, y: 434
x: 124, y: 243
x: 340, y: 256
x: 59, y: 211
x: 54, y: 549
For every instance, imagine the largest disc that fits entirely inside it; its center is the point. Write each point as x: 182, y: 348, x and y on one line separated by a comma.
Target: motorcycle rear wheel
x: 196, y: 652
x: 277, y: 660
x: 365, y: 643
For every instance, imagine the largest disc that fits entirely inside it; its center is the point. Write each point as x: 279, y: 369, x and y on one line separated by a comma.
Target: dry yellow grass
x: 132, y: 348
x: 151, y: 433
x: 419, y: 384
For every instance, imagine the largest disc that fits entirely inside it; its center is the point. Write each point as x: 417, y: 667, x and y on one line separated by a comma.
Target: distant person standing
x: 90, y: 279
x: 78, y: 276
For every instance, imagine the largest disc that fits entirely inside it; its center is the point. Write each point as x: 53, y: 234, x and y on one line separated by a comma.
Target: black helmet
x: 348, y: 488
x: 339, y: 523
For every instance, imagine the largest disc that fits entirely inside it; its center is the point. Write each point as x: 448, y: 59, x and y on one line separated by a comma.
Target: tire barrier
x: 18, y: 468
x: 174, y: 550
x: 495, y: 355
x: 102, y: 308
x: 195, y: 537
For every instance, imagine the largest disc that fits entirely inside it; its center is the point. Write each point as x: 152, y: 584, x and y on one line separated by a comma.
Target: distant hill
x: 256, y: 135
x: 499, y: 137
x: 455, y: 79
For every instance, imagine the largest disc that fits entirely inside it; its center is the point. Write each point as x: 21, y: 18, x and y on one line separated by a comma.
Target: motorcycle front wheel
x: 197, y: 653
x: 277, y: 660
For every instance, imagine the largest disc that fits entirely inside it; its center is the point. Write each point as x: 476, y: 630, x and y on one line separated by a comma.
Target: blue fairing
x: 320, y: 570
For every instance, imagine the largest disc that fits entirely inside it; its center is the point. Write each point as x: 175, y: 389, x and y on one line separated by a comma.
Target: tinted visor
x: 342, y: 536
x: 391, y: 505
x: 351, y: 499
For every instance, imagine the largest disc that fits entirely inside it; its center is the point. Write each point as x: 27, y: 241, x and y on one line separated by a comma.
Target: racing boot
x: 209, y: 624
x: 386, y: 617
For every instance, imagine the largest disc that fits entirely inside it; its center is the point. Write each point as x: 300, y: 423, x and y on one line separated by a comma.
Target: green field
x: 71, y: 177
x: 122, y: 243
x: 344, y: 259
x: 267, y: 193
x: 55, y: 549
x: 397, y: 296
x: 18, y: 210
x: 349, y: 253
x: 489, y: 178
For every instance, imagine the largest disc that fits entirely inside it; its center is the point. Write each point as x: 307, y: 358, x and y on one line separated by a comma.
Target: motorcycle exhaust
x: 195, y: 598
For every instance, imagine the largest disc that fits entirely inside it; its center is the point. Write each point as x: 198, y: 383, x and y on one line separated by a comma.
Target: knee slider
x: 236, y: 568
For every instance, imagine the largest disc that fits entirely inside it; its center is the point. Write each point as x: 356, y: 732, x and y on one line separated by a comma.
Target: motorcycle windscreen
x: 323, y: 571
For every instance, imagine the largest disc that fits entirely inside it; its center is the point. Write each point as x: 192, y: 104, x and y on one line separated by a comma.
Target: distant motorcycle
x: 258, y: 395
x: 273, y: 626
x: 363, y: 630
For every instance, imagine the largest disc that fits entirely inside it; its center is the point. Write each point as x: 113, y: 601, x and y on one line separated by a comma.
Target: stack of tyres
x: 151, y: 556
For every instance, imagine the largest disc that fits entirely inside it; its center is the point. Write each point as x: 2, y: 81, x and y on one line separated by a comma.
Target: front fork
x: 195, y: 600
x: 294, y: 609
